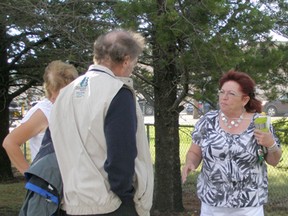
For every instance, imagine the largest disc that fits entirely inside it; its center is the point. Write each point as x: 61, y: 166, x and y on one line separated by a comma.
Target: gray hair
x: 114, y: 46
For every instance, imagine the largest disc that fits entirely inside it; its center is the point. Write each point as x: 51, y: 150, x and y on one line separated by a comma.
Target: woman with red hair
x: 233, y: 178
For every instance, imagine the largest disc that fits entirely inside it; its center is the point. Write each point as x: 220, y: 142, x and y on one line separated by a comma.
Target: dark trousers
x: 123, y: 210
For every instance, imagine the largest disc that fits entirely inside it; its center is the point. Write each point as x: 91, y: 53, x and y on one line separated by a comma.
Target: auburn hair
x: 247, y: 87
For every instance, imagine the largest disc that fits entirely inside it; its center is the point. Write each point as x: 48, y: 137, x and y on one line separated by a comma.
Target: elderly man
x: 99, y: 136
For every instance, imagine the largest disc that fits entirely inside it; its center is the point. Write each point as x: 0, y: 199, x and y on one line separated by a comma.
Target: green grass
x: 13, y: 192
x: 10, y: 190
x: 11, y: 199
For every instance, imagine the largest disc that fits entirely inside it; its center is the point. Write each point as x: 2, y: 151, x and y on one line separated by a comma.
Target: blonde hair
x: 57, y: 75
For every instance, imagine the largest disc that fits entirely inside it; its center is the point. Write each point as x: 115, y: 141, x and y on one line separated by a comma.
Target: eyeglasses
x: 229, y: 94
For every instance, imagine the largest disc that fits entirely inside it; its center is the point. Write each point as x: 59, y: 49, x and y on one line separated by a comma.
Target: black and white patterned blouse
x: 231, y: 174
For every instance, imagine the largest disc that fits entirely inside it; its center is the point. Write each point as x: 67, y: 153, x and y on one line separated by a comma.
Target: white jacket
x: 80, y: 146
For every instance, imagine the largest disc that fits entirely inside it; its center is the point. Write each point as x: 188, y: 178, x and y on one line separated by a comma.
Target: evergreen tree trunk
x: 168, y: 191
x: 5, y: 164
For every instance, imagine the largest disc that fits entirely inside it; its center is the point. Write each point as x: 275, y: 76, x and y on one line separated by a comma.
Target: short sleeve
x: 45, y: 106
x: 197, y: 134
x: 204, y: 126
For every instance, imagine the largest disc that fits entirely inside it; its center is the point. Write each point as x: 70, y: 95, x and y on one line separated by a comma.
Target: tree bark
x: 5, y: 164
x: 168, y: 191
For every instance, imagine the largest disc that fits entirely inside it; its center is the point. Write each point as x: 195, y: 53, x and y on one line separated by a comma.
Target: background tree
x: 33, y: 33
x: 268, y: 61
x: 191, y: 44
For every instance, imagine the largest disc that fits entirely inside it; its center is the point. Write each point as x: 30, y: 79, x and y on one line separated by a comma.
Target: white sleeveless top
x: 35, y: 142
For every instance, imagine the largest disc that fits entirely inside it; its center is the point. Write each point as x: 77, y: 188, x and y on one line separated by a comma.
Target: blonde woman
x: 57, y: 75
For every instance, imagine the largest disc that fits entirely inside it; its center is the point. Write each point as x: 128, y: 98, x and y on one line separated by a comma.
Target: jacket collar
x: 99, y: 68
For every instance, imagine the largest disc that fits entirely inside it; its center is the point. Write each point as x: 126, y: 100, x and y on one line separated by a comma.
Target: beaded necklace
x: 233, y: 123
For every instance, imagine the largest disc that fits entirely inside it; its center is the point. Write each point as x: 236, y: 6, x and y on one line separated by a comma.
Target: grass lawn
x: 13, y: 192
x: 11, y: 199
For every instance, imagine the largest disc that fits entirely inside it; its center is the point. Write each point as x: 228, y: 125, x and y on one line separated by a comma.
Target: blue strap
x: 42, y: 192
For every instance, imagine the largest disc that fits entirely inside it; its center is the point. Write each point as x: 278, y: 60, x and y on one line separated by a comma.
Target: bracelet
x: 273, y: 148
